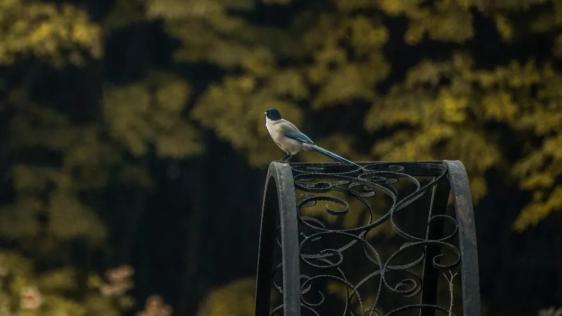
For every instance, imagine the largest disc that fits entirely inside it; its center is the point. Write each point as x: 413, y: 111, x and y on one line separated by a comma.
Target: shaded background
x: 133, y: 148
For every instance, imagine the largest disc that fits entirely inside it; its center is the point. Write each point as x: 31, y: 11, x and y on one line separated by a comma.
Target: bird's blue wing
x: 298, y: 135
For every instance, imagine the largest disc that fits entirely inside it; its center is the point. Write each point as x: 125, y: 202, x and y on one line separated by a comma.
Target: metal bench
x: 390, y: 238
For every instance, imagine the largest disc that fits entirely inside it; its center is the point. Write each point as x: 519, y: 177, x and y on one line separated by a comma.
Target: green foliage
x: 210, y: 32
x: 52, y: 190
x: 235, y: 299
x: 446, y: 108
x: 149, y: 113
x: 24, y: 291
x: 449, y: 21
x: 58, y: 33
x: 243, y: 123
x: 155, y: 306
x: 442, y: 110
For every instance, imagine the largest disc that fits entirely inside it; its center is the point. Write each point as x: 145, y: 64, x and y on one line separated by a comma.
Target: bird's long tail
x: 332, y: 155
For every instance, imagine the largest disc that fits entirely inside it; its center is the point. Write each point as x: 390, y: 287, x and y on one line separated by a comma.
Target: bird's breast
x: 286, y: 144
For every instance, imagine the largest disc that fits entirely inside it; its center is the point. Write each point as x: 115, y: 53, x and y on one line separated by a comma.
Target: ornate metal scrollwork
x: 383, y: 239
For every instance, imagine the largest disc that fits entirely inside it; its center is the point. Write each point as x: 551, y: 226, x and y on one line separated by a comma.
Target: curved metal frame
x: 279, y: 200
x: 280, y: 206
x: 462, y: 199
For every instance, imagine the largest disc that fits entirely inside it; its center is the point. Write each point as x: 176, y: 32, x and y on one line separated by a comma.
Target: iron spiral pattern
x: 376, y: 240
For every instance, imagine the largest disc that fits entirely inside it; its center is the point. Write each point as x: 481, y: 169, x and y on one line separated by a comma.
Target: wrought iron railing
x: 389, y: 238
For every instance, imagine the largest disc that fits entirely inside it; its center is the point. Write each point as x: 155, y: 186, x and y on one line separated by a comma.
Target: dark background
x: 187, y: 221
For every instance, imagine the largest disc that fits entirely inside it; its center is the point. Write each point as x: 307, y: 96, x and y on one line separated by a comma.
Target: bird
x: 292, y: 141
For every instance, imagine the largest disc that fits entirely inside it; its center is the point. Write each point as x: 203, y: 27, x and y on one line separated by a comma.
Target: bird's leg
x: 287, y: 158
x: 284, y: 158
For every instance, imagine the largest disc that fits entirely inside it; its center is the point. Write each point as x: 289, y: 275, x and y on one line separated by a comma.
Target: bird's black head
x: 273, y: 114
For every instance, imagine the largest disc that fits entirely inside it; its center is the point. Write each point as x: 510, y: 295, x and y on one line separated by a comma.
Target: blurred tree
x: 57, y: 33
x: 26, y: 292
x: 149, y: 113
x: 97, y: 98
x: 495, y: 112
x: 448, y: 106
x: 235, y: 299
